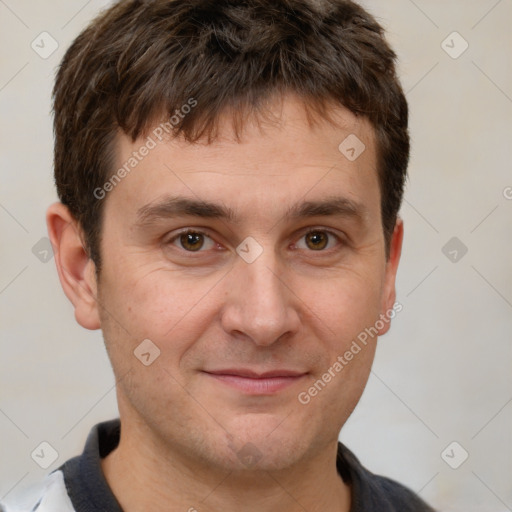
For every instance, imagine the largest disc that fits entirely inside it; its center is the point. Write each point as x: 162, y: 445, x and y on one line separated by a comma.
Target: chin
x: 261, y: 446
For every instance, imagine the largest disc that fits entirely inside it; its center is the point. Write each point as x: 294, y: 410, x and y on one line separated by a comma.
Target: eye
x: 318, y: 240
x: 192, y: 241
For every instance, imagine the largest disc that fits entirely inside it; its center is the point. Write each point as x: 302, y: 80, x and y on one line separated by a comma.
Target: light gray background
x: 443, y: 372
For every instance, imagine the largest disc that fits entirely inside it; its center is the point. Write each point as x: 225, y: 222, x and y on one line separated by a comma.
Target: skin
x: 297, y: 307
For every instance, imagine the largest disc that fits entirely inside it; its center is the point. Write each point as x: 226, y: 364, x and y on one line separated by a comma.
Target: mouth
x: 256, y: 383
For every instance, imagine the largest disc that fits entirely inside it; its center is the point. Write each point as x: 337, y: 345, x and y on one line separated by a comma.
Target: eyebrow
x: 179, y: 206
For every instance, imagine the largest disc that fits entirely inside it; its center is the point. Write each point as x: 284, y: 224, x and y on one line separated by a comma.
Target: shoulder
x: 48, y: 496
x: 395, y: 495
x: 78, y: 484
x: 375, y: 492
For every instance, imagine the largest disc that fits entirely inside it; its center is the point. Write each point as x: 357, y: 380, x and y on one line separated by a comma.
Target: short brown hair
x: 139, y: 61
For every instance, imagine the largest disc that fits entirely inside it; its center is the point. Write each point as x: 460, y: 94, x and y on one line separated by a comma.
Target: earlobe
x: 389, y: 292
x: 76, y: 270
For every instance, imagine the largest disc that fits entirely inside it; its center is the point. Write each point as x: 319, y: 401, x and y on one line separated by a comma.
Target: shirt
x: 79, y: 485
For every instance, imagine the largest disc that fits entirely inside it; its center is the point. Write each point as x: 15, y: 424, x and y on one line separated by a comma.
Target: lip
x: 254, y: 383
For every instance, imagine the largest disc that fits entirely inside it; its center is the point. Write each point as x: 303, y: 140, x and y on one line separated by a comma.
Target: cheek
x: 346, y: 304
x: 144, y: 299
x: 160, y: 305
x: 348, y: 308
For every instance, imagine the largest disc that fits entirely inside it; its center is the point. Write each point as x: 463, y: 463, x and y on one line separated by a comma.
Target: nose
x: 259, y: 303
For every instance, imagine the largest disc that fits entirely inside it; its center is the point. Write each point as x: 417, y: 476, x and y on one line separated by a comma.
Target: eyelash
x: 338, y: 238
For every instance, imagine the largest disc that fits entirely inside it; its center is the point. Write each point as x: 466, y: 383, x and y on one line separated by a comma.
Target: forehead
x: 275, y: 162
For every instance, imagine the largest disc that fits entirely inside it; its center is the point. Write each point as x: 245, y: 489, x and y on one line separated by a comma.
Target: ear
x: 389, y: 292
x: 76, y: 270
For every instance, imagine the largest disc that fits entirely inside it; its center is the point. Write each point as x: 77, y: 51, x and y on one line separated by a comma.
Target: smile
x: 250, y: 382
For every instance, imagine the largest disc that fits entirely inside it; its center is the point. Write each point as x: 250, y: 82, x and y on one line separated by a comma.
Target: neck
x: 143, y: 476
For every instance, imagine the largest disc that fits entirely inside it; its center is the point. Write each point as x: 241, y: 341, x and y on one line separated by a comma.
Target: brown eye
x: 317, y: 240
x: 192, y: 241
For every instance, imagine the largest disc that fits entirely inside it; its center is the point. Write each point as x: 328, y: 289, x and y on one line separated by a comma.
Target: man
x: 230, y: 175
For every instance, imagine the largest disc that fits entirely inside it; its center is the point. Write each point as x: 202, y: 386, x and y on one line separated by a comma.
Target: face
x: 251, y: 267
